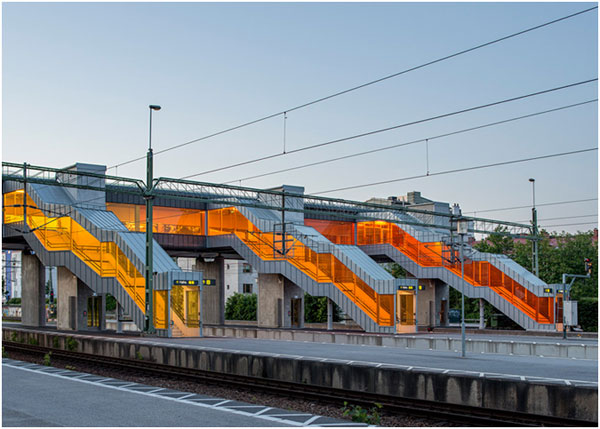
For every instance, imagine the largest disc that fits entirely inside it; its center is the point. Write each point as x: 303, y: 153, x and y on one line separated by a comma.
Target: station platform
x: 530, y: 384
x: 30, y: 399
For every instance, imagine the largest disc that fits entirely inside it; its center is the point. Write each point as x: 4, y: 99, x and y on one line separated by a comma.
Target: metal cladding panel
x: 103, y: 219
x: 52, y: 194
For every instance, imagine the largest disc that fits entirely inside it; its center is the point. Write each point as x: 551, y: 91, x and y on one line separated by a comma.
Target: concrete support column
x: 119, y: 310
x: 481, y: 314
x: 270, y: 300
x: 293, y: 302
x: 329, y: 314
x: 66, y: 289
x: 213, y: 297
x: 33, y: 296
x: 83, y: 293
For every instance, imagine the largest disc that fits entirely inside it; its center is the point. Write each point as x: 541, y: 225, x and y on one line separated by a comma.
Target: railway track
x: 463, y: 415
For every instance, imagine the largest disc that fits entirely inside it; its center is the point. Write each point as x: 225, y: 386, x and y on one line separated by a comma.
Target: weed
x: 139, y: 356
x: 70, y: 367
x: 13, y: 337
x: 4, y: 353
x: 71, y: 344
x: 55, y: 342
x: 359, y: 414
x: 46, y: 360
x: 34, y: 341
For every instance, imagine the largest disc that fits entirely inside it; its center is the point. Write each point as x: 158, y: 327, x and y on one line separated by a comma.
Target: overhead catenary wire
x: 529, y: 206
x: 458, y: 170
x: 364, y: 85
x: 398, y: 145
x: 568, y: 224
x: 557, y: 218
x: 394, y: 127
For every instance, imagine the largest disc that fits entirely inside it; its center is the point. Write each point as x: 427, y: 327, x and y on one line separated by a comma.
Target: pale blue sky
x: 78, y: 77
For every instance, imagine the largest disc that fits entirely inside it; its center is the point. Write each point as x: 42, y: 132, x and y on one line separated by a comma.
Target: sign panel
x: 209, y: 282
x: 185, y: 282
x: 421, y: 287
x: 406, y: 288
x: 548, y: 290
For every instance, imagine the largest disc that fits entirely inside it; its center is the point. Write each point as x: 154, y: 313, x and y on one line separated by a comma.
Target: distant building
x: 240, y: 277
x: 11, y: 273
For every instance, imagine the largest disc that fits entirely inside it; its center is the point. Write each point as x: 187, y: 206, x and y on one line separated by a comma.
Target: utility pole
x: 567, y: 291
x: 535, y: 256
x: 149, y: 197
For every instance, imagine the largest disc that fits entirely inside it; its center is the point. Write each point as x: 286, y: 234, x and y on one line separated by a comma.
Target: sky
x: 77, y: 79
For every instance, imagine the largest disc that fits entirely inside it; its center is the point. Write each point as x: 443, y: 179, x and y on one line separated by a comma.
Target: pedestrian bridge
x: 93, y: 226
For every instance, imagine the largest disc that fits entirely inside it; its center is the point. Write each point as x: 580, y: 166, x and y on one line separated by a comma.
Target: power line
x: 312, y: 164
x: 395, y: 127
x: 529, y: 206
x: 557, y: 218
x: 569, y: 224
x: 458, y: 170
x: 346, y: 91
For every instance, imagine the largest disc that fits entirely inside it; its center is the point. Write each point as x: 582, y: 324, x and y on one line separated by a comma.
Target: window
x: 247, y: 268
x: 247, y: 288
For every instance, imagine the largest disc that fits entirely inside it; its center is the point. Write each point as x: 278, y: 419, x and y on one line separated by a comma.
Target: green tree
x: 315, y: 309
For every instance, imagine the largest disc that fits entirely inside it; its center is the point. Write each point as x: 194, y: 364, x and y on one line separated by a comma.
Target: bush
x: 315, y: 309
x: 47, y: 357
x: 241, y: 307
x: 359, y: 414
x: 14, y: 301
x: 111, y: 302
x: 588, y: 314
x: 71, y: 344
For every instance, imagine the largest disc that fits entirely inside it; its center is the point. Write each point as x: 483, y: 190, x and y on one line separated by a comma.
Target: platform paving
x: 585, y: 370
x: 36, y: 396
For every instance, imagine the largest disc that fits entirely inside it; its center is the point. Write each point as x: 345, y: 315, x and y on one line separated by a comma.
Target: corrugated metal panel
x: 365, y: 262
x: 136, y: 241
x: 51, y: 194
x: 103, y: 219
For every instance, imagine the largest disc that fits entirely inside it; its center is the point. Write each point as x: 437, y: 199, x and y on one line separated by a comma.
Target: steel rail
x: 466, y: 415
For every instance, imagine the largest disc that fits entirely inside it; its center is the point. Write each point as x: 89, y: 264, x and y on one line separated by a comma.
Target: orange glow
x: 64, y: 234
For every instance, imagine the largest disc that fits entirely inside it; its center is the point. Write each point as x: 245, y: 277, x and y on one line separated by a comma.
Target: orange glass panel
x: 62, y: 233
x: 337, y: 232
x: 166, y: 220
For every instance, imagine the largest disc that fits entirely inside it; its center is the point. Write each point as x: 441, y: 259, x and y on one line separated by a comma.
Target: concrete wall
x: 213, y: 297
x: 33, y: 296
x: 69, y: 287
x: 270, y: 300
x: 491, y: 392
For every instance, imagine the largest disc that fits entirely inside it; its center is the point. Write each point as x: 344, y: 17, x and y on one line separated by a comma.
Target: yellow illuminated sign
x: 547, y: 290
x: 185, y: 282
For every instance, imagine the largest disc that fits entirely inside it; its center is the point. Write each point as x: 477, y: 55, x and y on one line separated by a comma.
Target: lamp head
x: 154, y: 107
x: 531, y: 179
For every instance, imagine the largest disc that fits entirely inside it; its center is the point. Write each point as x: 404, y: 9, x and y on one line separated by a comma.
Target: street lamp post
x: 535, y: 255
x: 462, y: 230
x: 149, y: 328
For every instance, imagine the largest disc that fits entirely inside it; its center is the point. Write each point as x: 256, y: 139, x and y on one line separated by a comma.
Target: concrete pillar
x: 329, y: 314
x: 270, y: 300
x: 213, y: 297
x: 442, y: 302
x: 33, y: 296
x: 83, y: 293
x: 292, y: 294
x: 425, y: 303
x: 119, y: 311
x: 65, y: 289
x: 481, y: 314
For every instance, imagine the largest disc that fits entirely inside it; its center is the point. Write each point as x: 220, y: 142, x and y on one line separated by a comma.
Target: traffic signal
x: 51, y: 296
x: 588, y: 266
